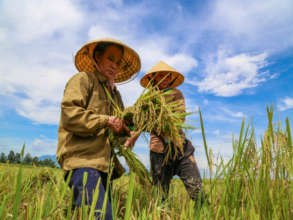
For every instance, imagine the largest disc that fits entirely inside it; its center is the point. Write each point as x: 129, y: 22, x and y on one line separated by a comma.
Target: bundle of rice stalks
x: 134, y: 164
x: 117, y: 143
x: 155, y: 112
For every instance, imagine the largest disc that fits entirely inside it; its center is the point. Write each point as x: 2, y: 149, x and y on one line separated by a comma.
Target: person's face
x: 164, y: 79
x: 109, y: 62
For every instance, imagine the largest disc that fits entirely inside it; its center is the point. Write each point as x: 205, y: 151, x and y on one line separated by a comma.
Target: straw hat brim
x: 176, y: 77
x: 130, y: 62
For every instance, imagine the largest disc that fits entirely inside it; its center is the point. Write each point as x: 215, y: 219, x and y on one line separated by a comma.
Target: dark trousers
x: 76, y: 183
x: 184, y: 166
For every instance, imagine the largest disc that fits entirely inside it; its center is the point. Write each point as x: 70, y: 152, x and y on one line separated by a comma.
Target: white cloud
x: 216, y: 114
x: 130, y: 92
x: 223, y: 112
x: 182, y: 62
x: 30, y: 20
x: 99, y: 31
x: 52, y: 33
x: 202, y: 163
x: 216, y: 132
x: 286, y: 103
x: 232, y: 14
x: 229, y: 75
x: 195, y: 131
x: 219, y: 145
x: 220, y: 150
x: 47, y: 34
x: 8, y: 144
x: 212, y: 116
x: 227, y: 136
x: 122, y: 22
x: 39, y: 112
x: 43, y: 146
x: 151, y: 48
x: 35, y: 39
x: 38, y: 94
x: 3, y: 35
x: 260, y: 25
x: 190, y: 105
x: 233, y: 114
x: 39, y: 146
x: 155, y: 48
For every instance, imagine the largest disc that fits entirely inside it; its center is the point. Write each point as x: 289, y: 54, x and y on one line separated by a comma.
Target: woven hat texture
x: 177, y: 78
x: 130, y: 63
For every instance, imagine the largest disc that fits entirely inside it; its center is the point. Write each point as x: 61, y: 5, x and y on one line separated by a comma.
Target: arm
x: 75, y: 116
x: 132, y: 139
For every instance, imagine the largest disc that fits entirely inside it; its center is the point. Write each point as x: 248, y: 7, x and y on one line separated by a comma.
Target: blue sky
x: 236, y: 57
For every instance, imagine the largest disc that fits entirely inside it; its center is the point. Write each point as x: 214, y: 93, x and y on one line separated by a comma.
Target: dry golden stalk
x: 154, y: 113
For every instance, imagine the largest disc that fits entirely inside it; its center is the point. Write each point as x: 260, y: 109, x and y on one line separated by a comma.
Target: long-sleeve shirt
x: 85, y: 110
x: 156, y: 144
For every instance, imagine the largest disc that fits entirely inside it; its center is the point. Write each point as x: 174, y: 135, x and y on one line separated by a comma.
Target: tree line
x: 15, y: 158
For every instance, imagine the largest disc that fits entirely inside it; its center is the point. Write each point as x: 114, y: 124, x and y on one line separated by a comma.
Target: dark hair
x: 101, y: 47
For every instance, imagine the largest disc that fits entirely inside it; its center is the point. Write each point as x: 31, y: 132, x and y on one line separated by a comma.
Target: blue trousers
x: 76, y: 183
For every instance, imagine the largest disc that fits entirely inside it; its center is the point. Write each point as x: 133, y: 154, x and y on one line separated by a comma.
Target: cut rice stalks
x: 154, y: 112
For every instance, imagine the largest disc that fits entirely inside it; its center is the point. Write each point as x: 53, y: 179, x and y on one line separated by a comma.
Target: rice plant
x: 153, y: 112
x: 256, y: 183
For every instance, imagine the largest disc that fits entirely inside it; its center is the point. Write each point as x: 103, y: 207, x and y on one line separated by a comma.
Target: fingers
x: 115, y: 124
x: 118, y: 126
x: 129, y: 143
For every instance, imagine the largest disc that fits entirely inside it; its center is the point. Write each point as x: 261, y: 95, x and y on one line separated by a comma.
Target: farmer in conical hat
x: 87, y: 115
x: 166, y: 77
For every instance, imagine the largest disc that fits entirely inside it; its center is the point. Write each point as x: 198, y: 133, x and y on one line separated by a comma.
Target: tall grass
x: 256, y: 183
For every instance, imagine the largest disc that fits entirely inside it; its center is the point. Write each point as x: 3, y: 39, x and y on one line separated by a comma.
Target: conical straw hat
x: 130, y: 62
x: 177, y: 78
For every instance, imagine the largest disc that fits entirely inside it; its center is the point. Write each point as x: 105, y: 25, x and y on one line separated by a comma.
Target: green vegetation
x: 153, y: 112
x: 15, y: 158
x: 257, y: 183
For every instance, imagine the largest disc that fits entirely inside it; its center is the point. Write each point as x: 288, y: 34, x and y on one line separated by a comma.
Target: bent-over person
x: 167, y: 78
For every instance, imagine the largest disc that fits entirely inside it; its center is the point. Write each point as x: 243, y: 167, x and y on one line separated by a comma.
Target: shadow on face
x: 163, y: 79
x: 108, y: 59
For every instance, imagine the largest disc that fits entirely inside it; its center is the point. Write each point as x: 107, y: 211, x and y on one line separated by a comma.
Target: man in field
x: 167, y: 78
x: 87, y: 116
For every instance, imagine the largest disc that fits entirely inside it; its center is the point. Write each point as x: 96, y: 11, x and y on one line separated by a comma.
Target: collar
x: 103, y: 79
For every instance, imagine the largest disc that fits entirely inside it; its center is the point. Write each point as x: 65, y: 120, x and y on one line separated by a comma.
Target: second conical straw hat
x: 177, y: 78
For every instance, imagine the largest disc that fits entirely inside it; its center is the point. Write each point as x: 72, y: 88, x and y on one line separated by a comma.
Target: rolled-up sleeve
x: 75, y: 117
